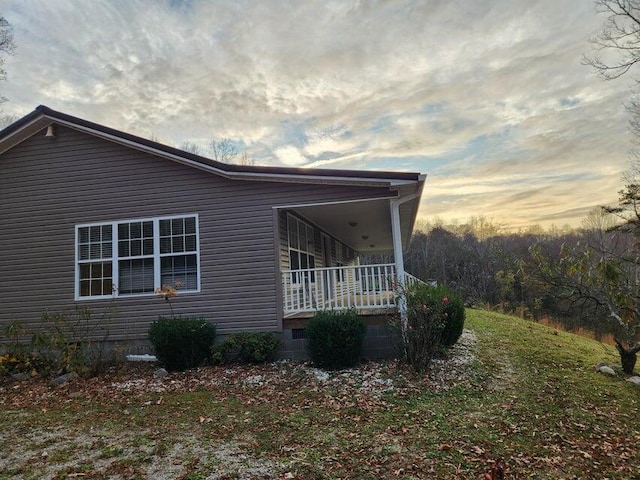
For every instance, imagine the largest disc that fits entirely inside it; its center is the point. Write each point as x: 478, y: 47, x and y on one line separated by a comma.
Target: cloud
x: 489, y: 97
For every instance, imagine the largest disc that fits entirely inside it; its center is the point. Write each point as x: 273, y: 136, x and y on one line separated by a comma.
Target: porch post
x: 398, y: 257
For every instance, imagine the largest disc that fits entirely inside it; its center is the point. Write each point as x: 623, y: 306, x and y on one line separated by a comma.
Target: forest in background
x: 524, y: 273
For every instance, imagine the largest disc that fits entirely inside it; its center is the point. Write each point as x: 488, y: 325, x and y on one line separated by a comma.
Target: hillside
x: 512, y: 389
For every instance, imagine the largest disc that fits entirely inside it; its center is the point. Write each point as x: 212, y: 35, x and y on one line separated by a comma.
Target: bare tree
x: 620, y: 36
x: 245, y: 159
x: 7, y: 119
x: 192, y: 147
x: 225, y: 151
x: 7, y: 46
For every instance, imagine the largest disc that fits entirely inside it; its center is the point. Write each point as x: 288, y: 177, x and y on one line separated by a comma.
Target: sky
x: 489, y: 98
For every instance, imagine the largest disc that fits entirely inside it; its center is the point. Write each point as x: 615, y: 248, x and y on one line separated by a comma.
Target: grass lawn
x: 530, y: 395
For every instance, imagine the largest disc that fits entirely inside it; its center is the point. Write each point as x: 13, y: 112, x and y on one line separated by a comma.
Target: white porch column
x: 398, y: 257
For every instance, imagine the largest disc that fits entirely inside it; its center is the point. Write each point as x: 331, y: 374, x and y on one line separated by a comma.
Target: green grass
x: 532, y: 397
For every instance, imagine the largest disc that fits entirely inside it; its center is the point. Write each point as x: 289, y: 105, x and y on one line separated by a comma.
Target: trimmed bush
x: 246, y: 347
x: 181, y: 343
x: 334, y: 339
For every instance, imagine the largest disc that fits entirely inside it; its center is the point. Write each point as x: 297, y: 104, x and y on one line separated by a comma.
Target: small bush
x: 452, y: 309
x: 435, y: 319
x: 334, y: 339
x: 246, y: 347
x: 455, y: 316
x: 181, y: 343
x: 62, y: 343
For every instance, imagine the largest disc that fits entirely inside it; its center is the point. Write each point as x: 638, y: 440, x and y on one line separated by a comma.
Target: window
x: 135, y: 257
x: 301, y: 247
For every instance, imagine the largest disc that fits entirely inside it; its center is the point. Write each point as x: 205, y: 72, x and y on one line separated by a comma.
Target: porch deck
x: 370, y: 289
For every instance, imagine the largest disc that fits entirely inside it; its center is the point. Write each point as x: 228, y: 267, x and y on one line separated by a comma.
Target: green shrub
x: 452, y: 308
x: 455, y: 316
x: 334, y: 339
x: 246, y: 347
x: 181, y: 343
x: 435, y: 319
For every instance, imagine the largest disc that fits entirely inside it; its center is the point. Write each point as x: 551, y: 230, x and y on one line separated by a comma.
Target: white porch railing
x: 364, y: 287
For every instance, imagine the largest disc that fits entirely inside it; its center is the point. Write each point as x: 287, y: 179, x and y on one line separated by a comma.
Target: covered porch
x: 326, y: 253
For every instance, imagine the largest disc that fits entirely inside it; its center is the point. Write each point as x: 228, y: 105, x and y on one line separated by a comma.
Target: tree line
x: 587, y: 277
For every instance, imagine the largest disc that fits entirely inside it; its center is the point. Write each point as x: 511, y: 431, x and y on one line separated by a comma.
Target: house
x: 98, y: 218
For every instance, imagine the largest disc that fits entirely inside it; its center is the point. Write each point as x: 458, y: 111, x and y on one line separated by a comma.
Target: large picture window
x: 135, y: 257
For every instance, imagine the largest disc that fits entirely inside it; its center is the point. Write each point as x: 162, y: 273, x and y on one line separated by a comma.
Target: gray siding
x: 47, y: 187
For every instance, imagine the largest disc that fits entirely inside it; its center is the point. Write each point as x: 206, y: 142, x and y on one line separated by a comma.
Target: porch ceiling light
x: 364, y: 237
x: 353, y: 223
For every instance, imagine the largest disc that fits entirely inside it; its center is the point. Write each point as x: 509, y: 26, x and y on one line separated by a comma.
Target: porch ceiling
x: 372, y: 230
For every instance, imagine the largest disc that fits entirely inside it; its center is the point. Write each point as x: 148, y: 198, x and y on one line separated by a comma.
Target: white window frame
x: 114, y: 259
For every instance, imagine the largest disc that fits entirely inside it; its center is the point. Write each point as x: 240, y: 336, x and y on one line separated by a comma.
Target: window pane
x: 292, y: 227
x: 177, y: 244
x: 96, y: 270
x: 94, y: 277
x: 180, y: 272
x: 165, y: 228
x: 294, y: 263
x: 106, y: 249
x: 190, y: 243
x: 94, y: 250
x: 165, y: 245
x: 302, y: 234
x: 95, y: 234
x: 148, y: 229
x: 123, y: 248
x: 83, y: 252
x: 85, y: 290
x: 85, y: 270
x: 96, y: 287
x: 135, y: 276
x: 123, y: 231
x: 136, y: 248
x: 136, y: 230
x: 177, y: 227
x: 83, y: 235
x: 147, y: 246
x: 190, y: 225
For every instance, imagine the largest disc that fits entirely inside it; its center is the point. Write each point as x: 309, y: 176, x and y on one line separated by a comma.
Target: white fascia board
x: 15, y: 138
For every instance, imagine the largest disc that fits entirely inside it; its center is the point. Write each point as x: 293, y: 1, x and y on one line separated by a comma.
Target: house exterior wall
x: 47, y: 187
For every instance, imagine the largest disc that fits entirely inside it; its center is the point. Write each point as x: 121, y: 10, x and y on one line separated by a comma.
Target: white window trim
x: 114, y: 256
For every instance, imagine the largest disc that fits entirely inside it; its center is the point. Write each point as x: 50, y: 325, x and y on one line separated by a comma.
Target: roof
x: 43, y: 116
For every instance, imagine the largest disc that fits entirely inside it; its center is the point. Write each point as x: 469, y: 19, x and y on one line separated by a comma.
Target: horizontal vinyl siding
x: 47, y: 187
